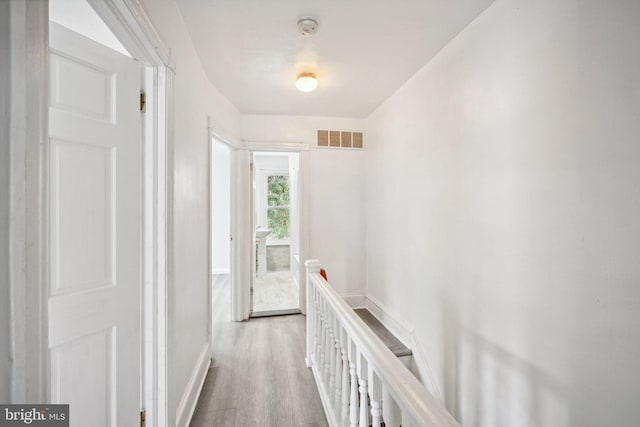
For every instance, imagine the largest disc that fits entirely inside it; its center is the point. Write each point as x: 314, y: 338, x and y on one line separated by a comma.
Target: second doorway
x: 276, y: 225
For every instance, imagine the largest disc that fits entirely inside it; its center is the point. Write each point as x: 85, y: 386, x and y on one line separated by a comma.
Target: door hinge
x: 143, y: 418
x: 143, y: 101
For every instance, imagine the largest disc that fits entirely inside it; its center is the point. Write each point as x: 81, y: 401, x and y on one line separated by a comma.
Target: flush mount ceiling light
x: 307, y: 82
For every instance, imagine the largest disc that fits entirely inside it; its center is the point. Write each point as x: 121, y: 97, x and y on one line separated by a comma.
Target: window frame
x: 266, y: 173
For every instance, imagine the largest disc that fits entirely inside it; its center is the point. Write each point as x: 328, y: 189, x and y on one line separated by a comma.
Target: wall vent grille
x: 340, y: 139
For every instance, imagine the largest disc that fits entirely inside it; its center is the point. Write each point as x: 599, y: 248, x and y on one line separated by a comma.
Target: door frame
x: 260, y: 187
x: 242, y: 288
x: 30, y: 373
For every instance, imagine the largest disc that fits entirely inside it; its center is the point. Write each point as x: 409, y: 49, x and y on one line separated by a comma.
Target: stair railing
x: 360, y: 381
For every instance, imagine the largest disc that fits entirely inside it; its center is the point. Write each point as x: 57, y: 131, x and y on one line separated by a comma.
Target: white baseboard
x: 421, y: 369
x: 216, y: 271
x: 187, y: 405
x: 419, y: 365
x: 382, y: 314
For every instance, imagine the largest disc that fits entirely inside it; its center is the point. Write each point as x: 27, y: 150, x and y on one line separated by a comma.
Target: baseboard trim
x: 419, y: 365
x: 389, y: 321
x: 421, y: 369
x: 187, y: 405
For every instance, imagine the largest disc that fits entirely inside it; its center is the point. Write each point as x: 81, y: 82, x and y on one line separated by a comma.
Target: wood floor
x: 258, y: 375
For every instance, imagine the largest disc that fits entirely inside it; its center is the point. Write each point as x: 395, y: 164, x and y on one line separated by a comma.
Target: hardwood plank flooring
x: 258, y: 376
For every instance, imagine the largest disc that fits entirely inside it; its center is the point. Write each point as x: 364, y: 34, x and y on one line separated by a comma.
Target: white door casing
x: 244, y: 249
x: 95, y: 224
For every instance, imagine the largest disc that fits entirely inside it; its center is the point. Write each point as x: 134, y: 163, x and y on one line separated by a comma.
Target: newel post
x: 313, y: 266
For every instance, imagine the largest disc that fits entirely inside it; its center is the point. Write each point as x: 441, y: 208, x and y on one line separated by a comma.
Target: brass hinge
x: 143, y: 418
x: 143, y: 101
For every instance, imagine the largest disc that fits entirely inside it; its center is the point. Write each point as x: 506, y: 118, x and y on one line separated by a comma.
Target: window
x: 277, y: 209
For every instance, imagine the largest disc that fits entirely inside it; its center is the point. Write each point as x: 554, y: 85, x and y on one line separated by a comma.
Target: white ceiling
x: 364, y: 50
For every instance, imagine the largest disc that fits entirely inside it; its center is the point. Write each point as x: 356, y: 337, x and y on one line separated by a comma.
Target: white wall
x: 336, y: 196
x: 503, y: 206
x: 271, y: 161
x: 5, y: 120
x: 220, y: 208
x: 195, y: 99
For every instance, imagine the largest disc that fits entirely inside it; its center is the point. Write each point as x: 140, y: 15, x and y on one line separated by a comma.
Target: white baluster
x: 375, y: 397
x: 362, y: 380
x: 318, y: 327
x: 323, y: 341
x: 332, y: 360
x: 353, y: 389
x: 338, y: 372
x: 313, y: 266
x: 327, y: 349
x: 344, y: 415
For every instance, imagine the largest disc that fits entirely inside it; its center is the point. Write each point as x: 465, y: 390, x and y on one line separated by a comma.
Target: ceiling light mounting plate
x: 307, y: 26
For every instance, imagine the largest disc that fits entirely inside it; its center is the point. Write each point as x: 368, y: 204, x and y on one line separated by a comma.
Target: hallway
x: 258, y: 376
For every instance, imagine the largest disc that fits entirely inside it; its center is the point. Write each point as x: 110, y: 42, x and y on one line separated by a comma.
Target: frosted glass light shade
x: 307, y: 82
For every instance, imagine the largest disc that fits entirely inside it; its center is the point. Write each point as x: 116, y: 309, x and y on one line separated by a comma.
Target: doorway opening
x: 220, y: 251
x: 275, y: 287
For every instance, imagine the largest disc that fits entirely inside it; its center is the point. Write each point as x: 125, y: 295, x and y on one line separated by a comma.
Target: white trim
x: 217, y: 134
x: 268, y: 313
x: 241, y: 295
x: 17, y: 207
x: 381, y: 313
x: 242, y: 250
x: 276, y: 146
x: 218, y: 271
x: 187, y: 405
x: 305, y: 224
x: 421, y: 368
x: 131, y: 25
x: 322, y: 147
x: 28, y: 116
x: 209, y: 280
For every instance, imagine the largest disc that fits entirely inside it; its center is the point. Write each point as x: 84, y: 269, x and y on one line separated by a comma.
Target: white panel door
x: 95, y: 220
